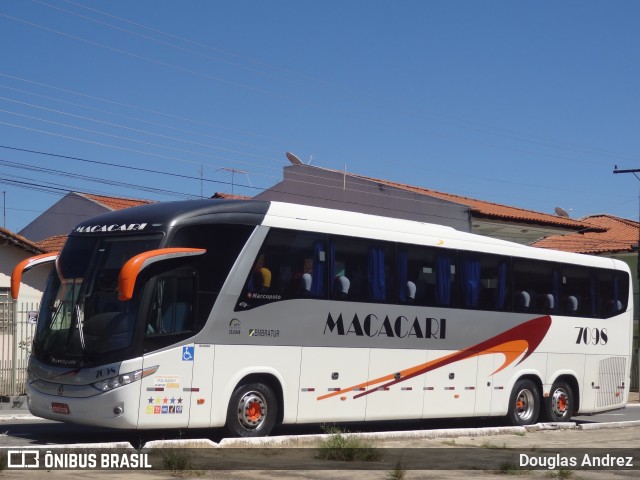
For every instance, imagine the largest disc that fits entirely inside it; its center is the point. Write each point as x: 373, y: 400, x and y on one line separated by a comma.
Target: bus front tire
x: 524, y: 403
x: 558, y: 406
x: 253, y: 410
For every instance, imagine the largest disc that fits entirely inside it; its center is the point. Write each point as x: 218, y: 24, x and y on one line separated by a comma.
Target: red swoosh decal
x: 512, y: 344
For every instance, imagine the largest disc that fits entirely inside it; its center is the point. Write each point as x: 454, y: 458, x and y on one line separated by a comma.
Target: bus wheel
x: 558, y: 406
x: 524, y: 403
x: 252, y: 412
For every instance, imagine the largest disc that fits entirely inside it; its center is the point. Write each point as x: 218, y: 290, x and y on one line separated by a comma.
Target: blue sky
x: 530, y: 104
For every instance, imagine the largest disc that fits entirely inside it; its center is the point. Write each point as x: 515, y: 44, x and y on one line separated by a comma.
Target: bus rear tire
x: 524, y: 403
x: 252, y: 412
x: 558, y: 406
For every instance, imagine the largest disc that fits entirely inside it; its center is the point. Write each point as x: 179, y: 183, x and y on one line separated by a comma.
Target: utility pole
x: 635, y: 172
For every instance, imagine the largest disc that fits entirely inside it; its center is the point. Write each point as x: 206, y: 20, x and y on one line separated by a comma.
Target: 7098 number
x: 592, y: 336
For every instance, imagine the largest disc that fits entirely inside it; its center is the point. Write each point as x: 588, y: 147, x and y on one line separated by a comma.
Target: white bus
x: 248, y: 314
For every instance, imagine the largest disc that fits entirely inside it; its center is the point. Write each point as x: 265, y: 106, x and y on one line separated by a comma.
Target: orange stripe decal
x: 133, y: 267
x: 513, y: 343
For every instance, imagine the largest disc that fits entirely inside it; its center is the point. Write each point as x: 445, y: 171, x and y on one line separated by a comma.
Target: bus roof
x: 168, y: 215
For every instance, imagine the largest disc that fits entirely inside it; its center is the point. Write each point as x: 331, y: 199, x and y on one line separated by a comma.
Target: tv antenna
x: 233, y: 172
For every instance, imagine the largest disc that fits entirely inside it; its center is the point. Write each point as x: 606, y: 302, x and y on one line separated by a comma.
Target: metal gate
x: 17, y: 326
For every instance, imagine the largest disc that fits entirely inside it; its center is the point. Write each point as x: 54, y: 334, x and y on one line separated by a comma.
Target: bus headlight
x: 124, y: 379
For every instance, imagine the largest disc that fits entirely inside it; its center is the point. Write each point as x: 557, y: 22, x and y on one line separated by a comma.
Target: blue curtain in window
x: 332, y: 266
x: 403, y: 274
x: 443, y: 280
x: 317, y: 286
x: 470, y: 277
x: 555, y: 285
x: 377, y: 284
x: 501, y: 288
x: 593, y: 289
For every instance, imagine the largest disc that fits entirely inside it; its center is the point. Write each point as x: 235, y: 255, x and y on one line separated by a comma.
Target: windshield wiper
x: 79, y: 323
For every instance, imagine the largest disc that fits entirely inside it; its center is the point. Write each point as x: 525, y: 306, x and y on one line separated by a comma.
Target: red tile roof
x: 114, y: 203
x: 20, y: 241
x: 230, y: 196
x: 481, y: 208
x: 52, y: 244
x: 620, y: 235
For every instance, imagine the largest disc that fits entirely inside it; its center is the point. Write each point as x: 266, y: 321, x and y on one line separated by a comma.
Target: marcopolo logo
x: 400, y: 327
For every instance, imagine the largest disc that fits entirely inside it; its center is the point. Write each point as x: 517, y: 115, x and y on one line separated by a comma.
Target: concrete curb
x: 301, y: 440
x: 109, y: 445
x: 600, y: 426
x: 195, y: 443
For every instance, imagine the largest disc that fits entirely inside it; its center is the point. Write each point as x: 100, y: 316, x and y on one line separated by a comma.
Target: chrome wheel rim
x: 252, y: 410
x: 525, y: 405
x: 560, y: 402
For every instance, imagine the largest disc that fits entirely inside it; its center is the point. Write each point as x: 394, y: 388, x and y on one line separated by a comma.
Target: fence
x: 17, y: 326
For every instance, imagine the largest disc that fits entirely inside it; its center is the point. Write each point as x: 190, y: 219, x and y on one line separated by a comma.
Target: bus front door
x: 165, y: 396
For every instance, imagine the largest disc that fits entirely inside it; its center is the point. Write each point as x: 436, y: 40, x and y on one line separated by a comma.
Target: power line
x: 124, y: 127
x: 141, y: 109
x: 457, y: 123
x: 116, y: 165
x: 128, y: 117
x: 78, y: 176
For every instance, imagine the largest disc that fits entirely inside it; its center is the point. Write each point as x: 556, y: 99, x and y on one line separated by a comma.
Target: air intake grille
x: 611, y: 374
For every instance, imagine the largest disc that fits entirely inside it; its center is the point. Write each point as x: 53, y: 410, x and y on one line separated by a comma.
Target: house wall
x: 307, y: 185
x: 15, y: 337
x: 61, y: 217
x: 33, y: 281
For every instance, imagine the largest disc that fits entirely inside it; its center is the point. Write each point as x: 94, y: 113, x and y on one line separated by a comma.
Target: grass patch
x: 398, y: 473
x: 344, y: 447
x: 176, y: 459
x: 508, y: 468
x: 562, y: 473
x: 492, y: 446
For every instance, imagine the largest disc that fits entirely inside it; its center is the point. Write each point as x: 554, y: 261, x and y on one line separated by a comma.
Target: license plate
x: 59, y: 408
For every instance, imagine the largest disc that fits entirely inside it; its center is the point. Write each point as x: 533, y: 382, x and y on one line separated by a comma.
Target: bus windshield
x: 81, y: 317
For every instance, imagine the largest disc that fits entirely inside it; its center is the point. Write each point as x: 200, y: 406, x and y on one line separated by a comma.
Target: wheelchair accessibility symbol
x: 187, y: 354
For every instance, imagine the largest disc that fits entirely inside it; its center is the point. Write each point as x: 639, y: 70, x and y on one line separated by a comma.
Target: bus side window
x: 290, y: 264
x: 578, y: 291
x: 172, y: 307
x: 536, y: 286
x: 484, y: 281
x: 426, y: 276
x: 362, y: 270
x: 612, y: 286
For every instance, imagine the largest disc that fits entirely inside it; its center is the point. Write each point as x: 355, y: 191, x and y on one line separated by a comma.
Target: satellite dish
x: 293, y: 159
x: 561, y: 212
